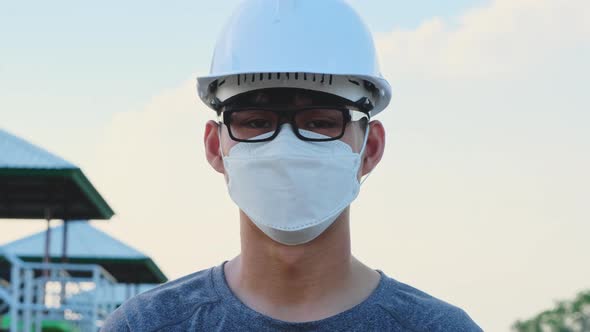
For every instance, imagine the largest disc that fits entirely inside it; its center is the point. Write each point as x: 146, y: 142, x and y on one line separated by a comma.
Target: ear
x: 212, y: 142
x: 374, y: 148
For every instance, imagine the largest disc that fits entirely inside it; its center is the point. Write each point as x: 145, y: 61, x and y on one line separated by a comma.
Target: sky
x: 481, y: 198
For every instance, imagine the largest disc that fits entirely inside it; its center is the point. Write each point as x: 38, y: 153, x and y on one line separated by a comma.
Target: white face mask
x: 293, y: 190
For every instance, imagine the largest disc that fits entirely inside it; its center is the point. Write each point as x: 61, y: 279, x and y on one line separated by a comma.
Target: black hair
x: 286, y: 97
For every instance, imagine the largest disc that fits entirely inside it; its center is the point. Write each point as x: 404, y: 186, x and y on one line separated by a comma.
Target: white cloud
x: 503, y: 38
x: 481, y: 198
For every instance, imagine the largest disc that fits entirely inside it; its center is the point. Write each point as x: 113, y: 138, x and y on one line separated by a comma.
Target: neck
x: 293, y: 283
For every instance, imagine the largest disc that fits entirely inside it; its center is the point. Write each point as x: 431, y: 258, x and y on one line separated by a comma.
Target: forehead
x: 286, y: 97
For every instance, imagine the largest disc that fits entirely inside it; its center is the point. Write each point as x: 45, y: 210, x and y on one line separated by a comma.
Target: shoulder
x: 164, y: 305
x: 418, y: 311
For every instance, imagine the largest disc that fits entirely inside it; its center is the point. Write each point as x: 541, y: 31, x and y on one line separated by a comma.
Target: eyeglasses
x: 260, y: 124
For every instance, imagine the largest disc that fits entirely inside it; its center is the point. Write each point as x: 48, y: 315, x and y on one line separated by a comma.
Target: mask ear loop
x: 363, y: 179
x: 219, y: 129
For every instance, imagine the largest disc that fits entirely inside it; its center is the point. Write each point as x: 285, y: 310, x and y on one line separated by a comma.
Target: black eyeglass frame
x: 289, y: 114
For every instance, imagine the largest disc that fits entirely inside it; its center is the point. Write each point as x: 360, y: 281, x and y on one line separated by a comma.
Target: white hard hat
x: 318, y: 45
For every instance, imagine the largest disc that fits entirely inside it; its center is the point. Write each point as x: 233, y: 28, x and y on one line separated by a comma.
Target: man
x: 295, y: 84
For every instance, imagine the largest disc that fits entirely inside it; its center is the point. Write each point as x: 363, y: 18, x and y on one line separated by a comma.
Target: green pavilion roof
x: 35, y: 183
x: 88, y: 245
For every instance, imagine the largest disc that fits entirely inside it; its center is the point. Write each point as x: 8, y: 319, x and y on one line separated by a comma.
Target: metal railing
x: 80, y: 294
x: 5, y: 299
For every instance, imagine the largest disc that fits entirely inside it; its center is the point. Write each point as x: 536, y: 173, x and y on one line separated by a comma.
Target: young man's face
x: 293, y: 194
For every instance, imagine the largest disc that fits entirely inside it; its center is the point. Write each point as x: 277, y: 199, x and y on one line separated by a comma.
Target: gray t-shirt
x: 204, y: 302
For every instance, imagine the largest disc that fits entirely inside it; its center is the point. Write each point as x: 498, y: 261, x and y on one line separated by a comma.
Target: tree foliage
x: 566, y: 316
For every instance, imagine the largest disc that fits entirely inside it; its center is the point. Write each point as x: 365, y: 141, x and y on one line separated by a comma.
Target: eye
x: 258, y: 123
x: 253, y: 119
x: 320, y: 123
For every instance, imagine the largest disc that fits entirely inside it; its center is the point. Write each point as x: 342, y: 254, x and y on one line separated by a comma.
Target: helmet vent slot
x: 354, y: 82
